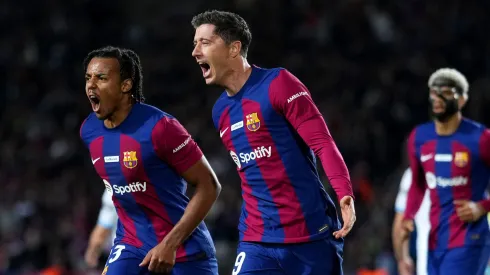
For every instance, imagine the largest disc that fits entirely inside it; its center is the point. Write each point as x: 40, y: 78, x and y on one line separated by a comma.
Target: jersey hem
x: 302, y: 239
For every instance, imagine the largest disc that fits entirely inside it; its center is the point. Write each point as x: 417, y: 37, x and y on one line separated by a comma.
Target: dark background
x: 365, y: 62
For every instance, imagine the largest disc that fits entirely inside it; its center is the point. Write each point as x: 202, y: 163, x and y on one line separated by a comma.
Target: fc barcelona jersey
x: 266, y: 129
x: 140, y: 162
x: 455, y: 167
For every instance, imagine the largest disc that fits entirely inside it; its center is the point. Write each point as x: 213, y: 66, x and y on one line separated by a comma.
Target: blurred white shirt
x: 108, y: 217
x: 422, y: 221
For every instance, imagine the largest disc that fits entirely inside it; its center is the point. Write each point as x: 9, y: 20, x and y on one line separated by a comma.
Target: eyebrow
x: 96, y: 74
x: 202, y: 39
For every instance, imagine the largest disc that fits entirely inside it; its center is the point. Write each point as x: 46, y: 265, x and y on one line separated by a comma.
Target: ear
x: 235, y: 48
x: 126, y: 85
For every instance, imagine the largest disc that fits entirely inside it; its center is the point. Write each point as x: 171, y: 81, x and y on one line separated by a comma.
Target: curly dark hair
x: 130, y: 67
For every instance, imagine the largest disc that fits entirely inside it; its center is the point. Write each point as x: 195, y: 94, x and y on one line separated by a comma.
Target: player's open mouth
x: 95, y: 101
x: 206, y: 69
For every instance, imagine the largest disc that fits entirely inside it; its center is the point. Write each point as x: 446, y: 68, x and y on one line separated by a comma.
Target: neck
x: 450, y: 126
x: 237, y: 77
x: 119, y: 115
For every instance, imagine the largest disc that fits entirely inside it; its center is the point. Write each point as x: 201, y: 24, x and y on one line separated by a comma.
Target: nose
x: 196, y: 51
x: 437, y: 101
x: 90, y: 83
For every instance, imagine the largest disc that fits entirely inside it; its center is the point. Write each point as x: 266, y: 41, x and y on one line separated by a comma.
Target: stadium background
x: 365, y: 62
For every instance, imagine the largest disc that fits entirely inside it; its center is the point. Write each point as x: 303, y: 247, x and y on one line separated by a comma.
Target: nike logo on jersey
x: 95, y: 160
x: 424, y: 158
x: 221, y: 133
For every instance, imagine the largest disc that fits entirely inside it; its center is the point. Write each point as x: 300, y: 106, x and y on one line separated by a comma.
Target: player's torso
x: 453, y: 170
x: 279, y: 179
x: 148, y: 195
x: 258, y: 137
x: 122, y: 161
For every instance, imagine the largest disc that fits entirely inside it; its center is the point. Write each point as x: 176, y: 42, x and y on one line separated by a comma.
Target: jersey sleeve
x: 485, y: 147
x: 107, y: 214
x: 417, y: 188
x: 401, y: 197
x: 82, y: 132
x: 485, y: 156
x: 291, y: 98
x: 174, y: 144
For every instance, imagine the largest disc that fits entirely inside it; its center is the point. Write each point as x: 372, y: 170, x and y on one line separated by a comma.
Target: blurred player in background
x: 451, y: 157
x: 104, y: 232
x: 268, y: 122
x: 422, y: 228
x: 145, y: 158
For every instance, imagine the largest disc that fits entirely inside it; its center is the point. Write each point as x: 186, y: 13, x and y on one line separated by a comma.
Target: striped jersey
x: 141, y: 162
x: 454, y: 167
x: 272, y: 130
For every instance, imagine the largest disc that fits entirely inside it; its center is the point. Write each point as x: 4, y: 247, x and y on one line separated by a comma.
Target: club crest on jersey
x: 130, y: 160
x: 461, y: 159
x: 253, y: 122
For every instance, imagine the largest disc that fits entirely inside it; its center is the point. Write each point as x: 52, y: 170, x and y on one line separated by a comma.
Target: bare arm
x: 400, y: 246
x: 202, y: 176
x: 175, y: 145
x: 97, y: 239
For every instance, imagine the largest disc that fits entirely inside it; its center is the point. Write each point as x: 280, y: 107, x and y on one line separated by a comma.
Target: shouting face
x: 103, y: 86
x: 212, y: 54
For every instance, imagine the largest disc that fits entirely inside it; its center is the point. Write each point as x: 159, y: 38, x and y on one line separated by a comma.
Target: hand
x: 161, y: 258
x: 406, y: 266
x: 348, y: 216
x: 469, y: 211
x: 92, y: 257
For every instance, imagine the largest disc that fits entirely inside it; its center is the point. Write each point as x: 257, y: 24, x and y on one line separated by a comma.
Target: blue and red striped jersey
x: 454, y: 167
x: 140, y: 162
x: 272, y: 130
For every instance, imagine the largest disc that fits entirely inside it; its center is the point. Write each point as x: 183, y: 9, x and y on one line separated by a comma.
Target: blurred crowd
x: 366, y: 64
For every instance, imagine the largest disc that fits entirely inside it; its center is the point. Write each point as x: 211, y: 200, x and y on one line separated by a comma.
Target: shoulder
x: 285, y: 85
x: 219, y: 108
x: 149, y: 112
x: 480, y: 133
x: 406, y: 180
x: 272, y: 72
x: 90, y: 128
x: 425, y: 127
x: 167, y: 127
x: 151, y: 116
x: 282, y: 75
x: 424, y: 131
x: 269, y: 76
x: 474, y: 126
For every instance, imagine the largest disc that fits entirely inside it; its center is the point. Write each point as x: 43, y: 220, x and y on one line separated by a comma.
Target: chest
x: 450, y: 162
x: 121, y: 158
x: 249, y: 124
